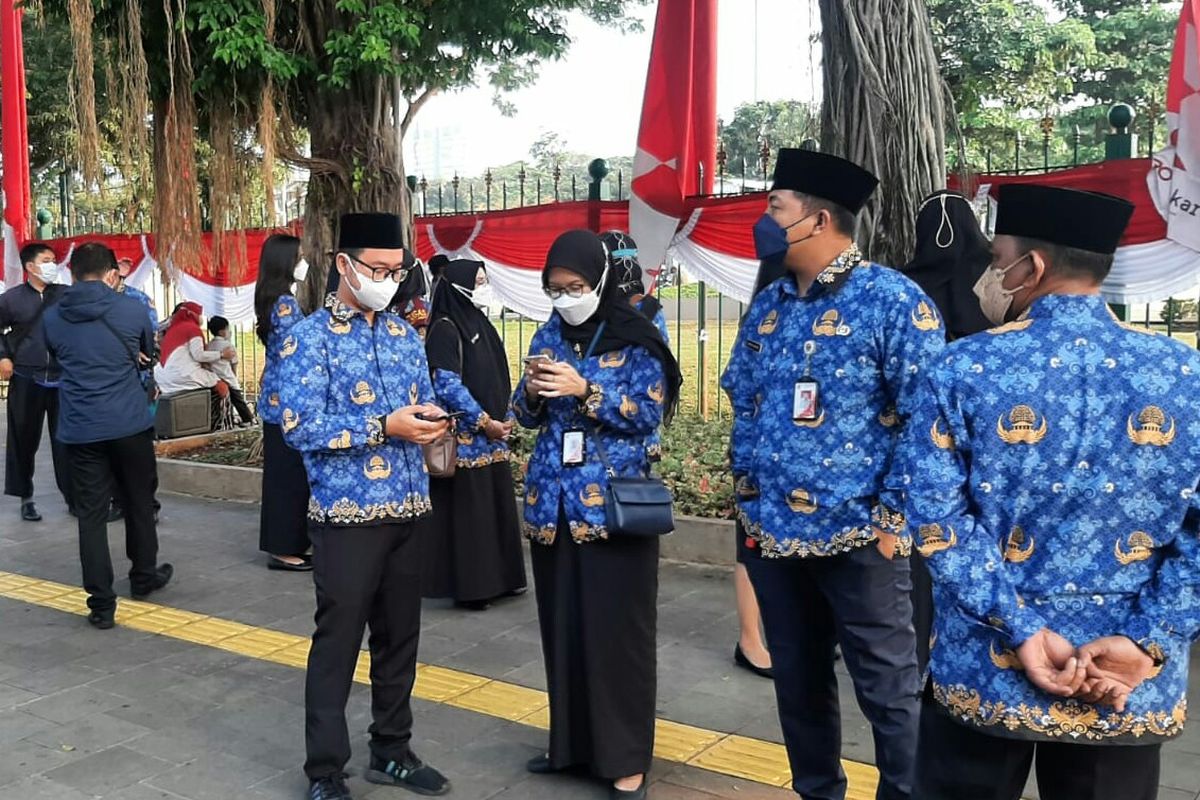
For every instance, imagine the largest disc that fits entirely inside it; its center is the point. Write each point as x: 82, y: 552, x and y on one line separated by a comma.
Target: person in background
x: 436, y: 265
x: 102, y: 340
x: 951, y: 253
x: 33, y: 379
x: 599, y: 374
x: 283, y: 513
x: 472, y: 548
x: 184, y: 364
x: 409, y: 300
x: 124, y: 270
x: 219, y: 342
x: 1052, y: 483
x: 822, y: 378
x: 623, y: 259
x: 358, y: 403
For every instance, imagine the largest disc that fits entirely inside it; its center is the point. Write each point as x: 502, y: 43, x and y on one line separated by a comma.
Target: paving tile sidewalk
x: 123, y: 714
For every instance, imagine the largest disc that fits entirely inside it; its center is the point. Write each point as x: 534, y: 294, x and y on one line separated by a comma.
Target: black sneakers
x: 162, y: 576
x: 408, y: 773
x: 332, y: 788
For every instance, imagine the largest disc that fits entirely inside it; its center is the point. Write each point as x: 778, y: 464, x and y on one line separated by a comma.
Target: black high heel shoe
x: 740, y: 659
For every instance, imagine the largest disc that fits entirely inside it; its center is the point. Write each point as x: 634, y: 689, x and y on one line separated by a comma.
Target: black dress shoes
x: 29, y: 512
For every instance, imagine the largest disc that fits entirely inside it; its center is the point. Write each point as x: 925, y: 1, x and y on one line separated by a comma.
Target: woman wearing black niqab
x: 472, y: 546
x: 951, y: 254
x: 602, y: 376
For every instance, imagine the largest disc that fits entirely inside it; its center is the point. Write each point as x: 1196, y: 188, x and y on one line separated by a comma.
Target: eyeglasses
x: 381, y: 274
x: 555, y: 292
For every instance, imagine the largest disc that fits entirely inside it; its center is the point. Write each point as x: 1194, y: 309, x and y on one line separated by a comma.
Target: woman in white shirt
x: 183, y: 359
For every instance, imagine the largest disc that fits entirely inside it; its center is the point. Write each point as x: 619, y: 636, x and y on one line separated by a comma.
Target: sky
x: 593, y: 96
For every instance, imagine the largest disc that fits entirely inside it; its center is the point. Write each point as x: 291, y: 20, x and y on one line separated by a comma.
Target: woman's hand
x: 496, y: 429
x: 229, y: 353
x: 403, y: 423
x: 559, y: 379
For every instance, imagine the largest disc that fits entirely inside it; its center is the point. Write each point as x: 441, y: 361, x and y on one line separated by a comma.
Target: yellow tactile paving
x: 499, y: 699
x: 675, y: 741
x: 737, y: 756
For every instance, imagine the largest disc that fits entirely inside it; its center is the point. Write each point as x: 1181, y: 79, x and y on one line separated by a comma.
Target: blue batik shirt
x: 654, y: 443
x: 624, y: 406
x: 144, y: 299
x: 339, y: 378
x: 1053, y: 469
x: 863, y: 332
x: 284, y: 315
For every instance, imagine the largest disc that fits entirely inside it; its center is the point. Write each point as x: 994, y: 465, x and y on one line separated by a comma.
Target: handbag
x: 637, y: 506
x: 145, y: 376
x: 441, y: 455
x: 634, y: 506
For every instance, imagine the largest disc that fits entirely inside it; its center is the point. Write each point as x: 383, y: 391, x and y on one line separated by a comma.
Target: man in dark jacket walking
x: 102, y: 340
x: 32, y: 375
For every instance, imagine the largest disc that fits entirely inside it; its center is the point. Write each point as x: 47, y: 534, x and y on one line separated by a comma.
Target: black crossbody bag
x: 641, y: 505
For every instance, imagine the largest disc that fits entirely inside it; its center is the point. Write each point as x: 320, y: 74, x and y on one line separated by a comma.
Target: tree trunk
x: 883, y: 109
x: 354, y: 167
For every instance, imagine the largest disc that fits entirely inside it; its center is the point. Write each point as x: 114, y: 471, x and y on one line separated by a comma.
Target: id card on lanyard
x: 806, y: 396
x: 574, y: 441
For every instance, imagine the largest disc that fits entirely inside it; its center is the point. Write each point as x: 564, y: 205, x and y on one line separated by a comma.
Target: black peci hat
x: 825, y: 176
x: 371, y: 230
x: 1084, y: 220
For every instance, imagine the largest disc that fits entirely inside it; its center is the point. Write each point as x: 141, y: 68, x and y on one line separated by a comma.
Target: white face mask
x: 994, y: 299
x: 578, y: 310
x: 481, y: 296
x: 48, y: 271
x: 369, y: 294
x: 301, y: 271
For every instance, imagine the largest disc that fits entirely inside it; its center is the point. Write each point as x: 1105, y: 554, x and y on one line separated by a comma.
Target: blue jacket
x: 338, y: 378
x: 817, y: 488
x: 1053, y: 467
x: 623, y: 407
x: 101, y: 396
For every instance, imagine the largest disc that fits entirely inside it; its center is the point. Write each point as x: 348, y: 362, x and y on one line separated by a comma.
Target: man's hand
x: 403, y: 423
x: 6, y: 368
x: 495, y: 429
x: 1114, y: 666
x: 886, y: 544
x: 1050, y: 663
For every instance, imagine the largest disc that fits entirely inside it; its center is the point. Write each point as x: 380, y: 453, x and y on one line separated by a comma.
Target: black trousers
x: 956, y: 762
x: 239, y: 404
x: 365, y: 576
x: 861, y: 601
x: 124, y: 469
x: 29, y: 405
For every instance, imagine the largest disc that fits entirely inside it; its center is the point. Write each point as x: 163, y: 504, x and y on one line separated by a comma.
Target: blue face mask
x: 771, y: 241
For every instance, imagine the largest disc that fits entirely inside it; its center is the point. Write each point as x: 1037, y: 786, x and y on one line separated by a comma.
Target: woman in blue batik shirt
x: 283, y: 520
x: 472, y: 547
x: 597, y: 370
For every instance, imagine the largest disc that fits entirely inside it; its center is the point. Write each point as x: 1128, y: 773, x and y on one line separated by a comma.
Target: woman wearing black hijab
x: 951, y: 254
x: 598, y: 373
x: 472, y: 547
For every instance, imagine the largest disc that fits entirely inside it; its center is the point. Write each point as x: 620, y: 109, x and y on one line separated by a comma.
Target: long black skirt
x: 472, y: 544
x: 597, y: 606
x: 283, y: 520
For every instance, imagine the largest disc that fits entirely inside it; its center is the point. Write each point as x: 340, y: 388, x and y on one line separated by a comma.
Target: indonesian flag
x: 15, y: 145
x: 1174, y: 178
x: 678, y: 133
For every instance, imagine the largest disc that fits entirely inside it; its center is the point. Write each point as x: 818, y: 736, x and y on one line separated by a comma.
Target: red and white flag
x: 1174, y: 178
x: 678, y: 134
x: 15, y: 146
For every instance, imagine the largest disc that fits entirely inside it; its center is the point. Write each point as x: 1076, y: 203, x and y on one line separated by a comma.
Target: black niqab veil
x: 484, y: 365
x: 581, y: 252
x: 951, y: 254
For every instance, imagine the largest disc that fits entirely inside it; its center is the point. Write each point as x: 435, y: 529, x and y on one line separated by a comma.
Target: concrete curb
x: 696, y: 540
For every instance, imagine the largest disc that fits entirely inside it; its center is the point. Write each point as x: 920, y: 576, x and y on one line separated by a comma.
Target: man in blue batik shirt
x: 821, y: 380
x: 356, y: 399
x: 1053, y: 463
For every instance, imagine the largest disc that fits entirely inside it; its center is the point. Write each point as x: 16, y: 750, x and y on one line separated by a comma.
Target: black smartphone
x: 426, y: 418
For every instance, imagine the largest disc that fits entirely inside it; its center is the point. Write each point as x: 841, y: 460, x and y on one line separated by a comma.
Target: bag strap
x: 137, y: 364
x: 600, y: 450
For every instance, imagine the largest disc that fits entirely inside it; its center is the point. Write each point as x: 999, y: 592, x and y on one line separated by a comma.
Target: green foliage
x: 783, y: 123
